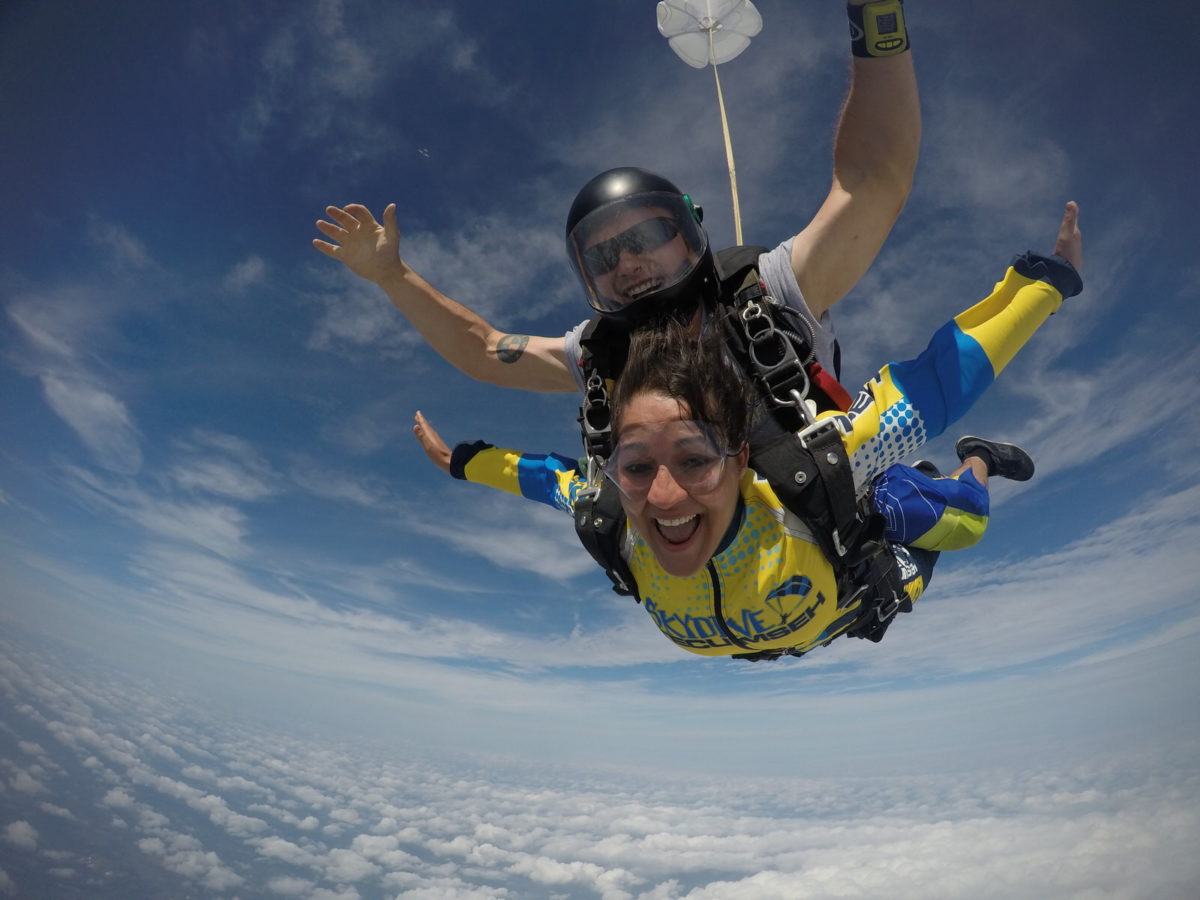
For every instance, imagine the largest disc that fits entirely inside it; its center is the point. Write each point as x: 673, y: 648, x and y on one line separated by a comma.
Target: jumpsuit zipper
x: 719, y: 612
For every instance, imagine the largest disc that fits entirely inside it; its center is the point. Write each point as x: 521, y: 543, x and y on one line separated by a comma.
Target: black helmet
x: 636, y: 243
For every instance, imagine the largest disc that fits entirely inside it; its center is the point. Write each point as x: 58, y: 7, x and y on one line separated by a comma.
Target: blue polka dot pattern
x: 901, y: 432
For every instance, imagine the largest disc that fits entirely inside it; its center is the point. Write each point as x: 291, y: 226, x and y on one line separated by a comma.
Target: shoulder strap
x: 605, y: 345
x: 599, y: 518
x: 733, y: 263
x: 600, y: 524
x: 803, y: 458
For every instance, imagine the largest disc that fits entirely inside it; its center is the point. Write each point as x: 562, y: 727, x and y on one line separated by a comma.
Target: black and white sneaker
x: 1005, y: 460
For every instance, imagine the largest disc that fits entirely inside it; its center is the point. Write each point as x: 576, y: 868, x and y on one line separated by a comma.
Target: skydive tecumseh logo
x: 704, y: 632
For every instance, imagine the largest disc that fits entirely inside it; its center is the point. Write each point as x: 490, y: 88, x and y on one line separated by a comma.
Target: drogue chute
x: 711, y: 32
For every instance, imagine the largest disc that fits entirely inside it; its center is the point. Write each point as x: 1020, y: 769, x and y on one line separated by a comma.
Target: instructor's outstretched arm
x: 874, y: 157
x: 371, y: 250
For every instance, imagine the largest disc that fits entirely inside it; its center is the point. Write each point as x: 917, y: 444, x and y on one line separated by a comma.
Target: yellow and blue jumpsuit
x: 769, y: 581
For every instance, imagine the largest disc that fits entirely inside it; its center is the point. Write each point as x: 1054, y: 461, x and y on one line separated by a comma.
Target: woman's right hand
x: 431, y: 442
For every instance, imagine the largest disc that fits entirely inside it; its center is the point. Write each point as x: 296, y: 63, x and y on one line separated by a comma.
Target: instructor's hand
x: 367, y: 248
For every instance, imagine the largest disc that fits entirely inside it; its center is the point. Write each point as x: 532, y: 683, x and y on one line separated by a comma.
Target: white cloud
x: 508, y: 268
x: 26, y: 783
x: 319, y: 75
x: 491, y: 828
x: 534, y: 537
x: 281, y: 849
x: 370, y: 492
x: 118, y: 248
x: 218, y: 602
x: 117, y: 798
x: 20, y: 834
x: 225, y: 465
x: 58, y: 811
x: 1105, y: 409
x: 344, y: 866
x: 248, y: 273
x: 1080, y: 595
x: 385, y: 851
x: 214, y: 526
x: 345, y: 816
x: 288, y: 886
x: 62, y: 328
x: 1007, y: 171
x: 100, y: 420
x: 181, y: 857
x: 43, y: 320
x: 543, y: 870
x: 357, y: 316
x: 444, y: 888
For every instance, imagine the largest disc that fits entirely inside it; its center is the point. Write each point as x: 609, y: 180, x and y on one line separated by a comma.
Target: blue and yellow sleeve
x: 911, y: 402
x: 547, y: 478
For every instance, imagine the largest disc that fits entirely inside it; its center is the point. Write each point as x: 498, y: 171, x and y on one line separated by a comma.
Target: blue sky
x: 253, y: 645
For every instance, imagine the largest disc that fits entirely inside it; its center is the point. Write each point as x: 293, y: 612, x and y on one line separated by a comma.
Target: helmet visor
x: 631, y: 249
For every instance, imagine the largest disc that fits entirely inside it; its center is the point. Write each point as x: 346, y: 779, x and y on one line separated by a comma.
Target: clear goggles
x: 639, y: 225
x: 691, y: 451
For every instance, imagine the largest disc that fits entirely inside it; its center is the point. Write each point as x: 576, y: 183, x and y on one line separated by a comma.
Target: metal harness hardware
x: 782, y: 373
x: 595, y: 420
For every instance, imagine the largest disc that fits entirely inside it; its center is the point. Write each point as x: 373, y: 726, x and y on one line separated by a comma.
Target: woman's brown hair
x: 666, y: 358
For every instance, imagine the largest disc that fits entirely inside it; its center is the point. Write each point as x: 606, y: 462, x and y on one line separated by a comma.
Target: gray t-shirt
x: 775, y: 269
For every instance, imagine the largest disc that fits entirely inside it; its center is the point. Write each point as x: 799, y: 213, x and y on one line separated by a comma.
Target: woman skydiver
x: 721, y: 566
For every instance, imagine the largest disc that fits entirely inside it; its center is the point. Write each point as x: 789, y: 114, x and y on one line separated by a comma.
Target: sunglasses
x: 695, y: 462
x: 651, y: 234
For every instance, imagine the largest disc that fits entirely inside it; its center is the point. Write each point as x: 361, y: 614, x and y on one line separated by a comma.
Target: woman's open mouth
x: 678, y: 531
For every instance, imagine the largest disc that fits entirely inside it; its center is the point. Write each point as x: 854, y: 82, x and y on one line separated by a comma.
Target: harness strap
x: 823, y: 441
x: 823, y: 379
x: 806, y: 463
x: 600, y: 524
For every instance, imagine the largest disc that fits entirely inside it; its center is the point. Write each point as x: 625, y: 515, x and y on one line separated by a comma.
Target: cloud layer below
x: 147, y: 779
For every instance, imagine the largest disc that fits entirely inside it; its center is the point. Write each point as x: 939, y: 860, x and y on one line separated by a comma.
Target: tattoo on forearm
x: 510, y: 347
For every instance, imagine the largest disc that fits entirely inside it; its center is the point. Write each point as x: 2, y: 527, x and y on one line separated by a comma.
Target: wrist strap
x: 878, y: 29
